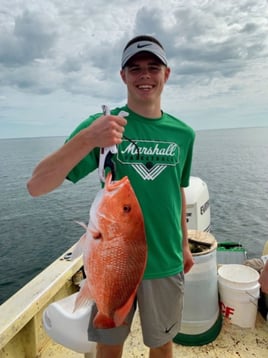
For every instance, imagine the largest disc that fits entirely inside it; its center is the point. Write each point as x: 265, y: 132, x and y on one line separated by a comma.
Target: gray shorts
x: 160, y: 303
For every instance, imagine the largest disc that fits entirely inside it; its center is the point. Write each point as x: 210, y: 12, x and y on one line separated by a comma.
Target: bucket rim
x: 235, y: 268
x: 203, y: 237
x: 240, y: 289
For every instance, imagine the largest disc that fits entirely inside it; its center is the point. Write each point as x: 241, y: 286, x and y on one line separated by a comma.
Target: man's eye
x: 134, y: 69
x: 151, y: 69
x: 154, y: 68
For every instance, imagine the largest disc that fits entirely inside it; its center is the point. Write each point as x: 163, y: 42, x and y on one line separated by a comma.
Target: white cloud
x: 66, y: 54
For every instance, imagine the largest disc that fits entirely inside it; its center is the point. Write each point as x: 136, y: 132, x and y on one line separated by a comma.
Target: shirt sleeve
x: 90, y: 162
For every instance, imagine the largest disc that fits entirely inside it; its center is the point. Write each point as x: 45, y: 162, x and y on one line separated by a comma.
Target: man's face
x: 145, y: 77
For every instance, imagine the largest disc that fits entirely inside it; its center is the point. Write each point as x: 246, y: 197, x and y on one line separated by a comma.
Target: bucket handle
x: 253, y: 298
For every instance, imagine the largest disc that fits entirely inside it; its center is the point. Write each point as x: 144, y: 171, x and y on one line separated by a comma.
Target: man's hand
x: 106, y: 131
x: 188, y: 259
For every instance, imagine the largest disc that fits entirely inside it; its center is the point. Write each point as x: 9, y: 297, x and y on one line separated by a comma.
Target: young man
x: 155, y: 152
x: 264, y: 279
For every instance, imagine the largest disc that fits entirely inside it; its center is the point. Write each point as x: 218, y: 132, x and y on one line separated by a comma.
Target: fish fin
x: 79, y: 247
x: 81, y: 244
x: 82, y: 283
x: 122, y: 312
x: 84, y: 297
x: 102, y: 321
x: 82, y: 224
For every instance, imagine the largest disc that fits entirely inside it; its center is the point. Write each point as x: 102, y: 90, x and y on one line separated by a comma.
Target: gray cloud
x: 149, y: 21
x: 71, y: 64
x: 204, y: 44
x: 201, y: 41
x: 31, y: 38
x: 73, y: 48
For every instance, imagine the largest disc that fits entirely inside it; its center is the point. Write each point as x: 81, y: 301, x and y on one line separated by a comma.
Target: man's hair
x: 143, y: 38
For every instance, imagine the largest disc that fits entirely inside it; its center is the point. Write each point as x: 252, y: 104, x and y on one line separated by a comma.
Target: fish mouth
x: 110, y: 184
x: 93, y: 225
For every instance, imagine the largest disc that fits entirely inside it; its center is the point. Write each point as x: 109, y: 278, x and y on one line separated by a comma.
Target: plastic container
x: 239, y: 293
x: 230, y: 253
x: 69, y: 328
x: 201, y: 319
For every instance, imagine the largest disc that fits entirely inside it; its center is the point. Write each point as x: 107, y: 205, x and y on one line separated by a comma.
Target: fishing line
x: 132, y: 141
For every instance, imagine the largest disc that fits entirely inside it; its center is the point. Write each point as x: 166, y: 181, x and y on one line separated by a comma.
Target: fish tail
x: 102, y: 321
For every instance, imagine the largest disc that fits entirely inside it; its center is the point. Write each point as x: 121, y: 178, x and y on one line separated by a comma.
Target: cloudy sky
x: 60, y: 61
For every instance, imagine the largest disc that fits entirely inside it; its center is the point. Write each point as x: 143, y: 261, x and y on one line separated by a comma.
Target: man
x: 155, y: 152
x: 264, y: 279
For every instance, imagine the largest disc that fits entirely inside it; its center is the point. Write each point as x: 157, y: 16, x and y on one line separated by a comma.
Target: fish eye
x: 126, y: 208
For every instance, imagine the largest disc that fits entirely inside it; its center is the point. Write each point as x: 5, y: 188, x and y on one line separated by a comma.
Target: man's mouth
x: 145, y: 87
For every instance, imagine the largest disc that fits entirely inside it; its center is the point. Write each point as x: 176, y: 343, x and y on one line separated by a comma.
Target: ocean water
x: 35, y: 231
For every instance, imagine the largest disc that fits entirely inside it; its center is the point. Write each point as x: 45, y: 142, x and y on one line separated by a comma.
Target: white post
x: 91, y: 354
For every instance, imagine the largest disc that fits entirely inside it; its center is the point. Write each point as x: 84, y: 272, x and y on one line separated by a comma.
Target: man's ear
x: 167, y: 73
x: 123, y: 75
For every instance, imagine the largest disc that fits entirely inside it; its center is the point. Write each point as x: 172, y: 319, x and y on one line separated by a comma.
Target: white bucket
x: 69, y: 328
x: 201, y: 307
x: 239, y: 293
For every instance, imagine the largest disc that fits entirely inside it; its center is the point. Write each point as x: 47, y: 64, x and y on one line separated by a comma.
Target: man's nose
x: 145, y: 71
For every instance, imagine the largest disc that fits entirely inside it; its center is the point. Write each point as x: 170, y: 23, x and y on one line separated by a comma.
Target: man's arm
x: 187, y: 255
x: 52, y: 170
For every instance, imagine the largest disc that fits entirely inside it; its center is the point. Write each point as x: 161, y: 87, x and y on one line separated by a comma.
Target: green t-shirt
x: 157, y: 161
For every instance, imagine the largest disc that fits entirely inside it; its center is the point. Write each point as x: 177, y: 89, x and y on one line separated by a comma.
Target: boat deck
x: 22, y: 333
x: 232, y: 341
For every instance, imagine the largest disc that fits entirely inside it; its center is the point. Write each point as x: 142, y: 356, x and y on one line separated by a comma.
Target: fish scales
x: 115, y: 278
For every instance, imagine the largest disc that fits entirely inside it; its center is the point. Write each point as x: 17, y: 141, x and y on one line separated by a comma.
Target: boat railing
x: 21, y: 330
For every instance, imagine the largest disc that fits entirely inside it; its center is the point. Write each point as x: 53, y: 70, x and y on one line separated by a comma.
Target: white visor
x: 143, y: 46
